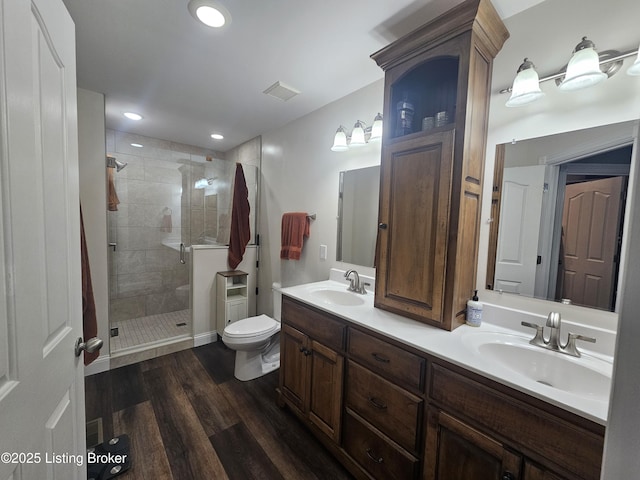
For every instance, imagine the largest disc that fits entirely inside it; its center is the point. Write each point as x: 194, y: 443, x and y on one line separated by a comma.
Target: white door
x: 41, y: 379
x: 517, y: 253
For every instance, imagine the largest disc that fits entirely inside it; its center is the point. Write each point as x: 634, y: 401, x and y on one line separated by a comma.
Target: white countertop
x: 457, y: 347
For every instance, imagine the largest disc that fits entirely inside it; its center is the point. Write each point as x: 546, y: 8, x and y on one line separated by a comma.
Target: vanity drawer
x: 386, y: 406
x: 397, y: 364
x: 377, y: 455
x: 318, y: 325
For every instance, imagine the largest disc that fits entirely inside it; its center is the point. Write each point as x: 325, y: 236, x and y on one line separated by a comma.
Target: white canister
x: 474, y: 311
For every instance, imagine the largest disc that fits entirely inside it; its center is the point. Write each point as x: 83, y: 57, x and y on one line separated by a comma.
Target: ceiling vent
x: 281, y: 91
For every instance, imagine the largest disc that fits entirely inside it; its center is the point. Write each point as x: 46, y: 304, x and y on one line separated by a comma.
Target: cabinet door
x: 295, y: 368
x: 325, y: 400
x: 236, y: 310
x: 414, y: 217
x: 455, y: 450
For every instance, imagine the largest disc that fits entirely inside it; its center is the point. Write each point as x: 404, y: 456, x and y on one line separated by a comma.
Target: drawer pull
x: 380, y: 358
x: 377, y: 403
x: 374, y: 457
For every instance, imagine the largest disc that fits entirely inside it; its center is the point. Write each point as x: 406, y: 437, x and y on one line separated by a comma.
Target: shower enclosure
x: 168, y: 200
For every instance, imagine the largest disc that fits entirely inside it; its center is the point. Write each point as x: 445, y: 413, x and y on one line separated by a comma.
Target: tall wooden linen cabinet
x: 436, y: 101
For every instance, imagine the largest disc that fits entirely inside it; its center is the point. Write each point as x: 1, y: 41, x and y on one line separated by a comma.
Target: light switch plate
x: 323, y: 252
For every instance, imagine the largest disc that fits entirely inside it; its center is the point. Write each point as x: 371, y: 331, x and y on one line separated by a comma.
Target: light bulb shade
x: 376, y: 128
x: 526, y: 86
x: 584, y: 68
x: 357, y: 135
x: 635, y: 68
x: 340, y: 141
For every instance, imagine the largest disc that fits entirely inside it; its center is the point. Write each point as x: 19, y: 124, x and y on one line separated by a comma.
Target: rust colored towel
x: 112, y: 196
x: 240, y: 231
x: 295, y: 226
x: 89, y: 320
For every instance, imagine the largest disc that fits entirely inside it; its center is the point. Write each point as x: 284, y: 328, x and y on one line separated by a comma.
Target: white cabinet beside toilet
x: 231, y: 298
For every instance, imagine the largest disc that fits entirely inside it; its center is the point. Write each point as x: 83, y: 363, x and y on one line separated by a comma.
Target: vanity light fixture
x: 586, y: 68
x: 583, y: 69
x: 210, y: 13
x: 133, y: 116
x: 526, y: 86
x: 360, y: 135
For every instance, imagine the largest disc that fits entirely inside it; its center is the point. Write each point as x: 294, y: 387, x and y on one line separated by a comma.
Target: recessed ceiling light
x: 132, y: 116
x: 137, y: 145
x: 217, y: 136
x: 209, y: 13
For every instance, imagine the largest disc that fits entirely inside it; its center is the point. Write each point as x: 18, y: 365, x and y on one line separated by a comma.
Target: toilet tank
x: 277, y: 301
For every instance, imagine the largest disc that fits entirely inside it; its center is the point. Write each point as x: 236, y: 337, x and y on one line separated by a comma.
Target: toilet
x: 256, y: 341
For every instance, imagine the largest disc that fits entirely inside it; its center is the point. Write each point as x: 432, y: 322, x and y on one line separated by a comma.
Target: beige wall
x: 300, y: 173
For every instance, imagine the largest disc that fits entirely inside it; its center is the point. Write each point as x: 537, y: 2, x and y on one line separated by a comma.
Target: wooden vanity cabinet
x: 311, y: 366
x: 389, y: 411
x: 475, y: 425
x: 431, y: 178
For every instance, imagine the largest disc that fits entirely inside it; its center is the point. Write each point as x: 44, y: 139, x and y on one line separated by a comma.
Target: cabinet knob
x: 382, y: 226
x: 305, y: 351
x: 508, y: 476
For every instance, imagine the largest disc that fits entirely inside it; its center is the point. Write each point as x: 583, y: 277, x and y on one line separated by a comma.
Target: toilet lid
x: 250, y: 327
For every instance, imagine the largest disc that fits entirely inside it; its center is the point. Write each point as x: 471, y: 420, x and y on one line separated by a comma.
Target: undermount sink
x: 337, y: 297
x: 585, y: 376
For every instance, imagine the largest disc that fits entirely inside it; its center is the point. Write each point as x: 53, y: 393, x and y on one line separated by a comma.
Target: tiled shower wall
x: 145, y: 268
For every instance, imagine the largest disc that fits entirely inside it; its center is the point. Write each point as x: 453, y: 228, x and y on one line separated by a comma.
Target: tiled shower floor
x: 142, y: 330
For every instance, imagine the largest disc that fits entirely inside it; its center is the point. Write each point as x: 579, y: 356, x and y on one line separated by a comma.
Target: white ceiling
x: 188, y: 80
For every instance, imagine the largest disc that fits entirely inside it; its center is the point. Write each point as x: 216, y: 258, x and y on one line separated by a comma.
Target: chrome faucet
x: 554, y: 323
x: 355, y: 285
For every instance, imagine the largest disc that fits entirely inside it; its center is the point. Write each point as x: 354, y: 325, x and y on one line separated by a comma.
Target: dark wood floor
x: 189, y: 418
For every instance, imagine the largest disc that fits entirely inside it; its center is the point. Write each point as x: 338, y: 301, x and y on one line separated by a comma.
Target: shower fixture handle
x: 182, y: 250
x: 113, y: 245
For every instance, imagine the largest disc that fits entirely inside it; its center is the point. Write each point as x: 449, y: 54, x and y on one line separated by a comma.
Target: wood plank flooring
x: 189, y: 418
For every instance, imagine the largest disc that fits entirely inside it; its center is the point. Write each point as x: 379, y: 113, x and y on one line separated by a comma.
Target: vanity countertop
x: 457, y: 347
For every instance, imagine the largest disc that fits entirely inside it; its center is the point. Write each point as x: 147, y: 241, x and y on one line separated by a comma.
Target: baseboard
x: 99, y: 365
x: 205, y: 338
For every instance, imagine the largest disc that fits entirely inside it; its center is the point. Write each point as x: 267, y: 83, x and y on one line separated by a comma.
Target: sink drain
x: 544, y: 383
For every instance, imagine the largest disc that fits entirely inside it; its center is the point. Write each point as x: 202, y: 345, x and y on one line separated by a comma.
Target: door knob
x: 89, y: 346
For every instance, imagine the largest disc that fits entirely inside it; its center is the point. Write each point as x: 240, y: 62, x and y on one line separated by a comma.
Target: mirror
x: 358, y: 216
x: 561, y: 203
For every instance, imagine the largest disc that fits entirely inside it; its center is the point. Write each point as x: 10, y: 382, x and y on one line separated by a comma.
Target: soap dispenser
x: 474, y: 311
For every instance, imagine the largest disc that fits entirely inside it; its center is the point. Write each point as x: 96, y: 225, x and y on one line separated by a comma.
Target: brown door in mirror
x: 591, y: 222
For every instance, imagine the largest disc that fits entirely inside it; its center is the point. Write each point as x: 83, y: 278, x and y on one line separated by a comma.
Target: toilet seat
x: 252, y: 327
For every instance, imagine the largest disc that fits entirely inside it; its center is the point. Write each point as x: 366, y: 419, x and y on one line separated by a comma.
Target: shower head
x: 112, y: 162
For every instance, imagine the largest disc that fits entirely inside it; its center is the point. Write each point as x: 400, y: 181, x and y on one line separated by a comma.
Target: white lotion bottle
x: 474, y: 311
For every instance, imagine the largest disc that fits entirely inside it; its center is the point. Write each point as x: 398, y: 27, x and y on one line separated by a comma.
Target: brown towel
x: 166, y: 224
x: 89, y: 320
x: 112, y: 196
x: 240, y: 231
x: 295, y: 226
